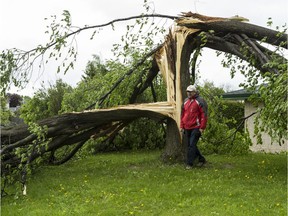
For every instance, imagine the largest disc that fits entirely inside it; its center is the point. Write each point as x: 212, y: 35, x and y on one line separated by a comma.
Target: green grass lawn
x: 137, y: 183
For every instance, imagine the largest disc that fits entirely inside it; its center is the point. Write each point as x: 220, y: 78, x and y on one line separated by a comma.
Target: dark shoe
x: 202, y: 163
x: 188, y: 167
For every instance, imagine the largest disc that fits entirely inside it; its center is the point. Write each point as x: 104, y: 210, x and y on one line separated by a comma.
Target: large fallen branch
x: 71, y: 128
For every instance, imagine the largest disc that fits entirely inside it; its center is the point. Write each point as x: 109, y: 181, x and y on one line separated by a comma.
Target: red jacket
x: 194, y: 113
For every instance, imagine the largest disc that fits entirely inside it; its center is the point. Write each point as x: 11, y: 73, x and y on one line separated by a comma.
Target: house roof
x: 240, y: 94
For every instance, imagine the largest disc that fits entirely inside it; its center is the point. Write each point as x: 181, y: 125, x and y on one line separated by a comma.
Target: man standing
x: 193, y: 122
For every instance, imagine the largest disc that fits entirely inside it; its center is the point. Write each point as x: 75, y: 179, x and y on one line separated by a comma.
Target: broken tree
x: 190, y: 33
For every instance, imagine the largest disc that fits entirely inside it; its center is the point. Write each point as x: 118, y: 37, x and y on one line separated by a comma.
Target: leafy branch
x: 17, y: 65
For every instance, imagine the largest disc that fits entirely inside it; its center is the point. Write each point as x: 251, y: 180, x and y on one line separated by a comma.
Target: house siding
x: 266, y: 146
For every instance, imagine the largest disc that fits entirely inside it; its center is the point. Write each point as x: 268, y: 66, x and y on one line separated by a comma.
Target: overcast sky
x: 22, y: 26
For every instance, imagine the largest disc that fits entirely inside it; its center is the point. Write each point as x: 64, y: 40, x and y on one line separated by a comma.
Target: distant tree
x: 45, y: 102
x: 95, y: 67
x: 5, y: 114
x: 14, y: 100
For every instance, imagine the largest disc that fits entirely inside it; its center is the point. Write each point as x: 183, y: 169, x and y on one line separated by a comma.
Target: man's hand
x: 201, y: 130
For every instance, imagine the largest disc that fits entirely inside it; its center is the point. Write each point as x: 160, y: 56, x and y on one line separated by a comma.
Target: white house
x: 267, y: 145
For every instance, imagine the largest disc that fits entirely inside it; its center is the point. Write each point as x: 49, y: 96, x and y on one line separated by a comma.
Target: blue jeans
x: 193, y: 151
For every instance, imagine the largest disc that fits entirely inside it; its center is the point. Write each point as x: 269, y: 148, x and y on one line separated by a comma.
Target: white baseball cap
x: 191, y: 88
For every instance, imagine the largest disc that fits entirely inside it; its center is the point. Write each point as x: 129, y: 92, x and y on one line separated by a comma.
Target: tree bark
x: 235, y: 27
